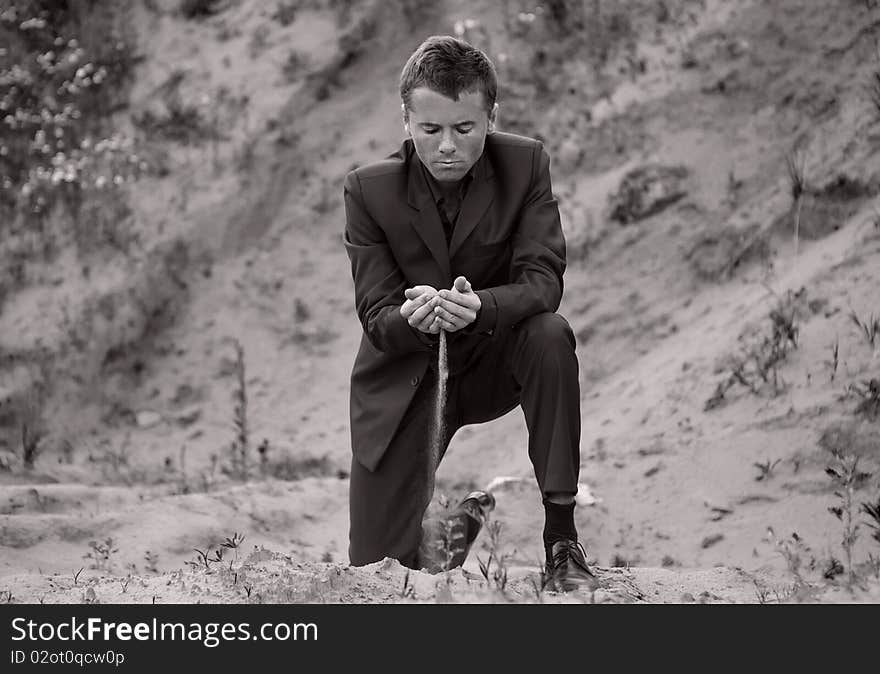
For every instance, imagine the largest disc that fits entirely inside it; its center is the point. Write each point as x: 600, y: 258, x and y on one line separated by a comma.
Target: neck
x: 448, y: 188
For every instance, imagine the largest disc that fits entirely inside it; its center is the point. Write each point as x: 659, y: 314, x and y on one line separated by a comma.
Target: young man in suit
x: 457, y: 231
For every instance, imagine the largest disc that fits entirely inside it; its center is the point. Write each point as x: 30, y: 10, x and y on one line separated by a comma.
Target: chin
x: 450, y: 176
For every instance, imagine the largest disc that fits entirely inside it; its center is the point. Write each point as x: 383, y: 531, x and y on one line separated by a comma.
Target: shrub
x: 64, y: 68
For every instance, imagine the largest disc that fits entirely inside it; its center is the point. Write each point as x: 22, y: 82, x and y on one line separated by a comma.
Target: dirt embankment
x: 725, y: 364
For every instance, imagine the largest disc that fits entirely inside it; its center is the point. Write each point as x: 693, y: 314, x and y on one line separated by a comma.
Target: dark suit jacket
x: 508, y: 242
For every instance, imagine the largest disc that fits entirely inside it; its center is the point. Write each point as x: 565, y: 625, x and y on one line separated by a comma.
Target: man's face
x: 448, y: 135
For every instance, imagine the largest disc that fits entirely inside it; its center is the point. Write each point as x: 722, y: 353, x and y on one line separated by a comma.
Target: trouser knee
x: 546, y: 330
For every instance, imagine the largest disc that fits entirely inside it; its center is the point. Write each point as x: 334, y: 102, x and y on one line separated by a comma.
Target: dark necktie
x: 449, y: 208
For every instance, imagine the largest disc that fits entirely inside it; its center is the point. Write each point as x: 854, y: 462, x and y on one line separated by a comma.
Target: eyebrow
x: 464, y: 123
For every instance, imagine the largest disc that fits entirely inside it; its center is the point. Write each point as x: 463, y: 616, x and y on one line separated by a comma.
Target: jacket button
x: 414, y: 381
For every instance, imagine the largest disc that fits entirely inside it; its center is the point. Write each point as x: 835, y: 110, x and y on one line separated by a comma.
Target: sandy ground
x: 682, y: 501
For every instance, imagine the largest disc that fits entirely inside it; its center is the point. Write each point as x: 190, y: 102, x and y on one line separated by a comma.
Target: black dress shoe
x: 446, y: 541
x: 567, y: 569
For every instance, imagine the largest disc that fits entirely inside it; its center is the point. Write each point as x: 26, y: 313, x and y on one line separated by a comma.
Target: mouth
x: 448, y: 163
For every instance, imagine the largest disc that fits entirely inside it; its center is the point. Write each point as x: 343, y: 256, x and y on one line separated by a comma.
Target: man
x: 457, y: 231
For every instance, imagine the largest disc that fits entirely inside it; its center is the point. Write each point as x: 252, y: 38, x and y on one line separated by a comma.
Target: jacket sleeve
x: 537, y: 261
x: 378, y: 280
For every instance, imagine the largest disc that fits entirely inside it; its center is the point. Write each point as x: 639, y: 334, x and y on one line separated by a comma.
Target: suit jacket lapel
x: 478, y: 199
x: 426, y: 220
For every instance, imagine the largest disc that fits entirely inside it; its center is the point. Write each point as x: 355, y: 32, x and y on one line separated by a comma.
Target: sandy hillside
x: 722, y: 368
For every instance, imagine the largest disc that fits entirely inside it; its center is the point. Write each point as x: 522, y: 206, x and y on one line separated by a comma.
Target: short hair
x: 450, y: 67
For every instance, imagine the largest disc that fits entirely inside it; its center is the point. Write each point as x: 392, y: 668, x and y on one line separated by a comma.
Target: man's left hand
x: 458, y: 306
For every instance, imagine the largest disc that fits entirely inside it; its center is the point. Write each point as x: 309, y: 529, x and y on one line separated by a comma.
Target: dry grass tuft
x: 756, y: 368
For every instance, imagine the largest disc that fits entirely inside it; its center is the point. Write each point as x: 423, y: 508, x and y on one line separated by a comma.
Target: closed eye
x: 462, y: 129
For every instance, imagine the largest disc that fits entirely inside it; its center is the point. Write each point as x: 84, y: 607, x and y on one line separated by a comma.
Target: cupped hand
x: 457, y: 307
x: 418, y: 309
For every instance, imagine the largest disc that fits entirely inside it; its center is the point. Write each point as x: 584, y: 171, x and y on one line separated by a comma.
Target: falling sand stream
x: 438, y: 427
x: 435, y: 547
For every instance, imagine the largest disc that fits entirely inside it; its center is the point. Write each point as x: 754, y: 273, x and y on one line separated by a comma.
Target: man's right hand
x: 418, y: 310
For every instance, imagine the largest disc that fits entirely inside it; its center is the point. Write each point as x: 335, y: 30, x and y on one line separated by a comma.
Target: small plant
x: 101, y: 554
x: 795, y: 553
x: 538, y: 582
x: 238, y: 449
x: 756, y: 368
x: 763, y: 592
x: 494, y: 569
x: 796, y: 164
x: 833, y: 568
x: 408, y: 591
x: 263, y: 451
x: 765, y: 469
x: 32, y: 426
x: 870, y: 328
x: 872, y: 510
x: 233, y: 543
x: 785, y: 331
x: 218, y: 555
x: 868, y: 393
x: 151, y: 560
x: 618, y: 561
x: 835, y: 358
x: 30, y: 440
x: 201, y: 560
x: 846, y: 476
x: 208, y: 556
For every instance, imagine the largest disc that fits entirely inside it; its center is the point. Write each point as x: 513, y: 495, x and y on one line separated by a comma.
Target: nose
x: 446, y: 144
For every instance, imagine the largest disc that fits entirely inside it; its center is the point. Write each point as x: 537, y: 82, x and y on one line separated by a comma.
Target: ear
x: 493, y: 118
x: 405, y: 119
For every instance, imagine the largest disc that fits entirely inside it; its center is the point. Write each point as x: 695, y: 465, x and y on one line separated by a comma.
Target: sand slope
x: 662, y: 306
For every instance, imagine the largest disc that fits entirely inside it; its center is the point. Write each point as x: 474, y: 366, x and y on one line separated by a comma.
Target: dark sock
x: 558, y: 523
